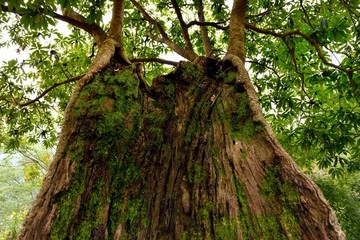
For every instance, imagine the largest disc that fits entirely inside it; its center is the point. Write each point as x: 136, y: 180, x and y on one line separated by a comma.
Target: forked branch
x: 117, y: 20
x: 186, y: 53
x: 183, y: 26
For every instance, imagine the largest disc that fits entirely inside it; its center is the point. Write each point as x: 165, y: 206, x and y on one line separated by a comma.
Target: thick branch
x: 186, y: 53
x: 237, y: 29
x: 307, y: 38
x: 44, y: 92
x: 79, y: 21
x: 190, y: 55
x: 158, y: 60
x: 117, y: 20
x: 204, y: 33
x: 184, y: 28
x: 116, y: 28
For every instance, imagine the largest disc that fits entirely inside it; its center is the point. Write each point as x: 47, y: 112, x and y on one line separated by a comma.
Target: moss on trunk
x: 186, y: 161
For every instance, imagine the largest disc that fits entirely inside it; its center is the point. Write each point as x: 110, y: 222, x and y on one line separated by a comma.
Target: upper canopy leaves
x: 303, y: 56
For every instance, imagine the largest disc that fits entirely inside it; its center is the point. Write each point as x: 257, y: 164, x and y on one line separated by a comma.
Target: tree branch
x: 306, y: 14
x: 186, y: 53
x: 262, y: 14
x: 116, y: 28
x: 307, y: 38
x: 292, y: 53
x: 204, y: 33
x: 117, y: 20
x: 350, y: 9
x: 183, y: 26
x: 79, y: 21
x: 266, y: 66
x: 44, y: 92
x: 212, y: 24
x: 70, y: 17
x: 236, y: 45
x: 158, y: 60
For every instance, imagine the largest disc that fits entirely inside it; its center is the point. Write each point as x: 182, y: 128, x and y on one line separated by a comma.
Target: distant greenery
x: 344, y: 196
x: 21, y: 176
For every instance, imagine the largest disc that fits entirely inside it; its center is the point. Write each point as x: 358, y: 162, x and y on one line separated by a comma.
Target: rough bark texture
x: 237, y: 28
x: 191, y: 159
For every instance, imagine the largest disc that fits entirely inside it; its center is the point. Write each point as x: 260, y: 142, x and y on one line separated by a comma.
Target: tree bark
x: 191, y: 158
x: 237, y: 28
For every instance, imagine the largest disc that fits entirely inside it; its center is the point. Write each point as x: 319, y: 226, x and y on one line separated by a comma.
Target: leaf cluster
x: 312, y: 105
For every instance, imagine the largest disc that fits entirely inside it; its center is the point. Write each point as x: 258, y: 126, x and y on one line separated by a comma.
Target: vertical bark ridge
x: 187, y: 162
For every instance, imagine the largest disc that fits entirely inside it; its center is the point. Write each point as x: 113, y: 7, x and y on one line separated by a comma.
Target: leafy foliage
x: 22, y: 173
x: 300, y: 60
x: 344, y: 197
x: 314, y: 108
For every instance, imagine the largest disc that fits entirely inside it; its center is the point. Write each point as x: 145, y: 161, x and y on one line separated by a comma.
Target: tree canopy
x: 303, y: 58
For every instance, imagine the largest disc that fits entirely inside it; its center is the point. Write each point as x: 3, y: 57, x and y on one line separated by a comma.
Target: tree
x: 190, y: 156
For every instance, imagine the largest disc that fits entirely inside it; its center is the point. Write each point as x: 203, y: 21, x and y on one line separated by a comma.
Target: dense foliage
x: 22, y: 172
x: 344, y: 197
x: 302, y: 58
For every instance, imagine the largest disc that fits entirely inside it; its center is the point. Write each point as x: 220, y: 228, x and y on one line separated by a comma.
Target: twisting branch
x: 69, y: 16
x: 307, y: 38
x: 44, y: 92
x: 186, y: 53
x: 204, y: 33
x: 184, y: 28
x: 158, y: 60
x: 301, y: 74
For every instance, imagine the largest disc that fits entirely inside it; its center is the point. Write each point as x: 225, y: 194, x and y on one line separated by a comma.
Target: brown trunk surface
x: 186, y: 161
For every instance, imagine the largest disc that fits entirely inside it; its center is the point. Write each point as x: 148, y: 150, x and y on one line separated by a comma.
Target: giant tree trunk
x: 191, y: 158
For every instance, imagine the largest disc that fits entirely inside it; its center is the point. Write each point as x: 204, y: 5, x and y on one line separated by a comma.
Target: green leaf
x: 37, y: 19
x: 290, y: 23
